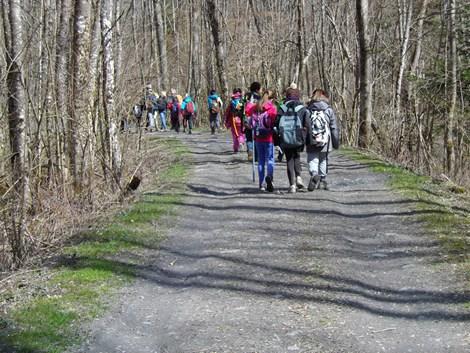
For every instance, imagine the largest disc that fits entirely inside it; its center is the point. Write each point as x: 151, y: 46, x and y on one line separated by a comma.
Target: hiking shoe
x: 300, y: 183
x: 314, y: 183
x: 269, y: 183
x: 292, y: 189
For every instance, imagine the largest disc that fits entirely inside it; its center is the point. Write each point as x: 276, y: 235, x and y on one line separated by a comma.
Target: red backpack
x: 189, y: 108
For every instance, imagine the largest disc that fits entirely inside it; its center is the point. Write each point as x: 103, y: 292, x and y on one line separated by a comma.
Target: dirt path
x: 346, y: 270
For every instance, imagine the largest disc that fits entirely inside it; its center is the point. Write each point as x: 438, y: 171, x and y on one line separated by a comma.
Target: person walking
x: 251, y: 99
x: 292, y: 125
x: 162, y: 103
x: 150, y: 103
x: 324, y: 138
x: 173, y: 108
x: 234, y: 119
x: 189, y: 109
x: 262, y: 117
x: 214, y: 105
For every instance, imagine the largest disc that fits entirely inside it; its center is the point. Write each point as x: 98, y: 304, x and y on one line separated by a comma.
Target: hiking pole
x: 253, y: 159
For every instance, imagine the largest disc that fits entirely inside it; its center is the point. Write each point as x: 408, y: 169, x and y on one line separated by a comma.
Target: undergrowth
x: 94, y: 267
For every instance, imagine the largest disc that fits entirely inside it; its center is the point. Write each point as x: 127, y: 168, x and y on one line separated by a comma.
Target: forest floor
x: 347, y: 270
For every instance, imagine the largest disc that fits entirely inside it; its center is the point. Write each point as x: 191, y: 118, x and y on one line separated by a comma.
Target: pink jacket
x: 268, y: 107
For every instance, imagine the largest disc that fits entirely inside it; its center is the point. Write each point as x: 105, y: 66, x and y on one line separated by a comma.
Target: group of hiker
x: 157, y: 108
x: 261, y: 121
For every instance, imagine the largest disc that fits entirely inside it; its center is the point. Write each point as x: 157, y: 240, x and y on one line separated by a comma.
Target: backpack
x: 261, y: 124
x: 173, y: 105
x: 320, y: 130
x: 236, y: 107
x: 137, y: 111
x: 214, y: 106
x: 291, y: 132
x: 189, y: 108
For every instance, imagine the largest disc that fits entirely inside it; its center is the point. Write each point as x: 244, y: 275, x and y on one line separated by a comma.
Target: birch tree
x: 109, y: 112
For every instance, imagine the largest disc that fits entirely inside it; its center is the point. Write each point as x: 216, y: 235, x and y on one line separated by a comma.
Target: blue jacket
x: 186, y: 101
x: 211, y: 99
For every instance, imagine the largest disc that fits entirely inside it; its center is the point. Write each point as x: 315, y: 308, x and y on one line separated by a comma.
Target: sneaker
x: 323, y: 184
x: 292, y: 189
x: 262, y: 188
x: 300, y: 183
x: 269, y: 183
x: 314, y: 183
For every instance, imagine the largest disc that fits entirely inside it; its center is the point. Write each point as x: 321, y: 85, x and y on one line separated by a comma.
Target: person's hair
x: 320, y: 95
x: 267, y: 95
x: 237, y: 90
x: 212, y: 91
x: 255, y: 86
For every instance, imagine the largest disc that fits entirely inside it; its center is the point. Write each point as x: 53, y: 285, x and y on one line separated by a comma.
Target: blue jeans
x: 265, y: 152
x: 163, y: 119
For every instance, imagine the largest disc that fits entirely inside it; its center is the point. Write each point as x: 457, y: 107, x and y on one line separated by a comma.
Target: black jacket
x: 333, y: 126
x: 161, y: 104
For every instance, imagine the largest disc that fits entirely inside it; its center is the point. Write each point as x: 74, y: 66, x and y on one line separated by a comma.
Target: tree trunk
x: 219, y: 50
x: 16, y: 123
x: 365, y: 104
x: 405, y: 9
x: 449, y: 128
x: 161, y: 40
x: 108, y: 89
x: 79, y: 70
x: 196, y: 55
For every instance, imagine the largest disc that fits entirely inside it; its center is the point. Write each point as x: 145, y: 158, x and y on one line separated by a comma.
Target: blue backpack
x: 291, y: 132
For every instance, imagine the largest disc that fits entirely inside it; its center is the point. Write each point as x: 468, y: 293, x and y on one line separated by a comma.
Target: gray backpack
x: 291, y: 132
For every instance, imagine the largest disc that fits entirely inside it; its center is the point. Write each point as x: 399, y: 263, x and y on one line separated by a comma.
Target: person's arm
x: 334, y: 129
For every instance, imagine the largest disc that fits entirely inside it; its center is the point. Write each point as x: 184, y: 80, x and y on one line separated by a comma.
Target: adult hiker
x: 150, y: 102
x: 174, y: 109
x: 161, y: 107
x: 214, y: 105
x: 324, y: 137
x: 292, y: 125
x: 251, y: 98
x: 234, y: 119
x: 262, y: 117
x: 188, y: 108
x: 137, y: 113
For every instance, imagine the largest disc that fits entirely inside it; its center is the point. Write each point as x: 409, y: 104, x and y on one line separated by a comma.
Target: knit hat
x: 292, y: 94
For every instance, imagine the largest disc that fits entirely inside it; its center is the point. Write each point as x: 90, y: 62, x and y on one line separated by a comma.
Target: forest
x: 398, y: 74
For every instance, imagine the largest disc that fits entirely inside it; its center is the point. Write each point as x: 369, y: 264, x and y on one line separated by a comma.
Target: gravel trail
x: 347, y: 270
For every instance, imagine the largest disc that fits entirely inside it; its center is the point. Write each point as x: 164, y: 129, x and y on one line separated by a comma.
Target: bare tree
x: 161, y: 40
x: 16, y: 123
x: 449, y: 128
x: 108, y: 89
x: 79, y: 71
x: 219, y: 51
x: 365, y: 107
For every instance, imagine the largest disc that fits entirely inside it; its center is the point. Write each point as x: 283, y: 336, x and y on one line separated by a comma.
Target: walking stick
x: 253, y: 159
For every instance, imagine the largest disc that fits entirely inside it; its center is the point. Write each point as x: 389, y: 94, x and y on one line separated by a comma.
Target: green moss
x: 93, y: 268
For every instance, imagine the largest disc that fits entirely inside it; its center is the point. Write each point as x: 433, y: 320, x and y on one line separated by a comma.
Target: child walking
x: 262, y: 117
x: 234, y: 119
x: 325, y: 137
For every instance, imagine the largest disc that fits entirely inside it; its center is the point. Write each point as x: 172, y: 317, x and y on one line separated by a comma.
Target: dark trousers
x: 189, y: 121
x: 214, y: 121
x: 294, y: 168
